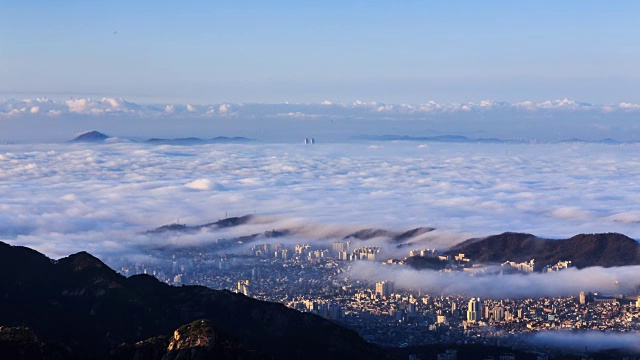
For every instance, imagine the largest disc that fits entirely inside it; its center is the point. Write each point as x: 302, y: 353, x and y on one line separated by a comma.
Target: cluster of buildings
x: 529, y: 266
x: 428, y: 253
x: 525, y: 266
x: 316, y: 280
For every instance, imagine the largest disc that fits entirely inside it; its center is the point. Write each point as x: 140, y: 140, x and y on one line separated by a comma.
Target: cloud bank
x: 494, y: 285
x: 551, y: 120
x: 108, y: 105
x: 589, y: 340
x: 63, y: 198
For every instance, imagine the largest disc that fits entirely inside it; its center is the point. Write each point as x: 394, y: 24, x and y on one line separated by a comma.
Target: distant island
x: 90, y: 137
x: 98, y: 137
x: 464, y: 139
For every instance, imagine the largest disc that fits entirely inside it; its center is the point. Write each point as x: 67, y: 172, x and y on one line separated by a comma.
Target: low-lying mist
x: 64, y: 198
x: 591, y: 341
x: 496, y: 285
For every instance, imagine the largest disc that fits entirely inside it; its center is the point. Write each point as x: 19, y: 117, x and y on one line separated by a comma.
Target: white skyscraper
x: 243, y: 287
x: 384, y: 288
x: 474, y: 312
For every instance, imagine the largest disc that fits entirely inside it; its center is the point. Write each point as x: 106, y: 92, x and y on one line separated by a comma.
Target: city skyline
x: 362, y: 179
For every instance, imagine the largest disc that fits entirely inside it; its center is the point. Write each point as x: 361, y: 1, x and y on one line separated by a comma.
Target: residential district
x: 316, y: 280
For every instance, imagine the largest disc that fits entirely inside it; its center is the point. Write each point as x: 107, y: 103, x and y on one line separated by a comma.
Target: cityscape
x: 317, y: 280
x: 319, y: 180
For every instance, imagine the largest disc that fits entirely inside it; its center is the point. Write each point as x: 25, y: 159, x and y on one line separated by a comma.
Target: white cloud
x: 204, y: 184
x: 552, y: 120
x: 571, y: 212
x: 591, y: 340
x: 325, y: 108
x: 84, y: 196
x: 91, y: 106
x: 629, y: 106
x: 495, y: 285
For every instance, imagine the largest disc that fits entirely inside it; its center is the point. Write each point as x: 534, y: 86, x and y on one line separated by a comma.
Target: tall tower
x: 243, y: 287
x: 384, y: 288
x: 474, y: 312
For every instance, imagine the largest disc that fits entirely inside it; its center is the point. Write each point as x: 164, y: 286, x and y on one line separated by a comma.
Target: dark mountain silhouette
x: 87, y: 307
x: 224, y: 223
x: 424, y: 262
x: 366, y: 234
x: 584, y: 250
x: 22, y: 343
x: 411, y: 233
x: 90, y: 137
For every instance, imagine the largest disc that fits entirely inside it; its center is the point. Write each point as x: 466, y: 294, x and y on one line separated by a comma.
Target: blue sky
x: 254, y: 51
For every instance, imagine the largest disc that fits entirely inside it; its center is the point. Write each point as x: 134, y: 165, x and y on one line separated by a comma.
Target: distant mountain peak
x: 90, y: 136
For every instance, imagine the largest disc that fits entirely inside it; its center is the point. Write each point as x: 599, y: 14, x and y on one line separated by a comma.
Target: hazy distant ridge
x: 98, y: 137
x: 583, y: 250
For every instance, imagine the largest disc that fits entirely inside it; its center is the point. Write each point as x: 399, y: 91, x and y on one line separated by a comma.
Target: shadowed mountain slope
x: 584, y: 250
x: 80, y: 302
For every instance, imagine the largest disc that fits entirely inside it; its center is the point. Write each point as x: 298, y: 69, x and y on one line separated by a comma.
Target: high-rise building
x: 384, y: 288
x: 243, y: 287
x: 498, y: 313
x: 474, y: 311
x: 485, y: 312
x: 586, y: 298
x: 583, y: 298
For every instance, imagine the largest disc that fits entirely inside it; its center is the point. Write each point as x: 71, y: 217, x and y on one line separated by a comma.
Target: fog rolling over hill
x: 583, y: 250
x: 98, y: 198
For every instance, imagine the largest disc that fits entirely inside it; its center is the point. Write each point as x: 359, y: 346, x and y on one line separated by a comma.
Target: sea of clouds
x: 64, y: 198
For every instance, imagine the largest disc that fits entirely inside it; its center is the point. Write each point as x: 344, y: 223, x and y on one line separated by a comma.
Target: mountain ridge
x: 85, y: 305
x: 583, y: 250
